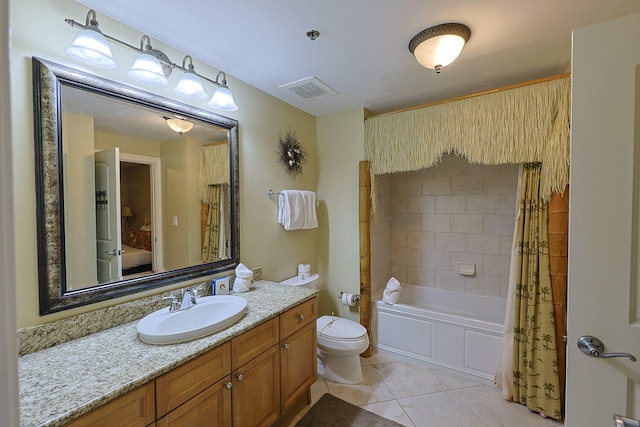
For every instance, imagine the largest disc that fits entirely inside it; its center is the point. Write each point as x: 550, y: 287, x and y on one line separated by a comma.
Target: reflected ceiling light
x: 151, y: 66
x: 90, y: 46
x: 222, y: 98
x: 190, y: 85
x: 179, y: 125
x: 439, y: 46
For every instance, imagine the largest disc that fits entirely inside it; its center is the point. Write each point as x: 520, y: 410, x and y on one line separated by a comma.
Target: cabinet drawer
x: 212, y: 407
x: 298, y: 316
x: 184, y: 382
x: 134, y: 409
x: 253, y: 342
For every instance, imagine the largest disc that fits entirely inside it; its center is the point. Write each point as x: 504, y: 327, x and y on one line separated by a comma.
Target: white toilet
x: 340, y: 341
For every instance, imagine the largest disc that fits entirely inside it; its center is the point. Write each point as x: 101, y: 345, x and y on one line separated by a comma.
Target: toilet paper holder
x: 356, y: 297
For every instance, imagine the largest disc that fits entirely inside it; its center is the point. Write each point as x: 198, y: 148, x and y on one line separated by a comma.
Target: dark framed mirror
x: 134, y: 191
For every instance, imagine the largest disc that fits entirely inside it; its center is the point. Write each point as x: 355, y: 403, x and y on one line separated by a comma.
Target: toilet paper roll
x: 348, y: 299
x: 304, y: 268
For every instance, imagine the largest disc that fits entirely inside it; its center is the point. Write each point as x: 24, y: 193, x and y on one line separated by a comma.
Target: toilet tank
x: 310, y: 281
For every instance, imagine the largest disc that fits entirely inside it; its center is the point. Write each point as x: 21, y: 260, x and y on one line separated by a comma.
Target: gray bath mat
x: 330, y: 411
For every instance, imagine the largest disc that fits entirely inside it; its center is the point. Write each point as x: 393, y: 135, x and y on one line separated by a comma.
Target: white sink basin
x: 211, y: 314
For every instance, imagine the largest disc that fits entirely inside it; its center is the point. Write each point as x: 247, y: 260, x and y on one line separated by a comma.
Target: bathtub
x: 452, y: 330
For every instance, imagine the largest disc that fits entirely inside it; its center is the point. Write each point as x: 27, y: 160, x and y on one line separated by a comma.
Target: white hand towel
x: 309, y: 207
x: 297, y: 209
x: 391, y: 293
x: 290, y: 213
x: 243, y: 279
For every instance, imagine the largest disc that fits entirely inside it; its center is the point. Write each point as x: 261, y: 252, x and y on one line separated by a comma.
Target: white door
x: 604, y: 222
x: 108, y: 239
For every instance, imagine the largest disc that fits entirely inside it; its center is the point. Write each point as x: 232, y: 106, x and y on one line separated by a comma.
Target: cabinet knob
x: 228, y: 385
x: 239, y: 377
x: 285, y: 346
x: 301, y: 317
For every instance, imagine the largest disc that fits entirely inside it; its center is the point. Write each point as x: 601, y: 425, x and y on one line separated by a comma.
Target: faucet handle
x: 175, y: 304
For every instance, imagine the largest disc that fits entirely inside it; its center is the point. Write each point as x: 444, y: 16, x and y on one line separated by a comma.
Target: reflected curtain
x: 211, y: 246
x: 529, y: 348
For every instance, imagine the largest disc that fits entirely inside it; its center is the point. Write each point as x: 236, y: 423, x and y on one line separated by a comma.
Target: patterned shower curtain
x: 535, y: 373
x: 211, y: 246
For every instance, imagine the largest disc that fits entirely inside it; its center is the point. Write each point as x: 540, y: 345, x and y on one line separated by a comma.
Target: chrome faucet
x: 189, y: 299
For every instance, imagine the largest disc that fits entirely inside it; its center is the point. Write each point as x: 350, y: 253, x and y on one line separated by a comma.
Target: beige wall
x: 38, y: 29
x: 79, y: 211
x: 340, y: 149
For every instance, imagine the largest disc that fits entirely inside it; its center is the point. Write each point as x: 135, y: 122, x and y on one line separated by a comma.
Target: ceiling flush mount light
x: 439, y: 46
x: 150, y: 67
x: 179, y: 125
x: 90, y: 46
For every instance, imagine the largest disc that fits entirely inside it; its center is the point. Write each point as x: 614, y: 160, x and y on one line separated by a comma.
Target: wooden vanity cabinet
x: 250, y: 381
x: 298, y: 365
x: 198, y: 392
x: 255, y: 394
x: 134, y: 409
x: 211, y: 407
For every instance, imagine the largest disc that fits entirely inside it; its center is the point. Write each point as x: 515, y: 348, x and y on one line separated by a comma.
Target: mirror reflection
x: 160, y: 197
x: 134, y: 190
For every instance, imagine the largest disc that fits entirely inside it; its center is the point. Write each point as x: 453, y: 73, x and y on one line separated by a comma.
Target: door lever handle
x: 592, y: 346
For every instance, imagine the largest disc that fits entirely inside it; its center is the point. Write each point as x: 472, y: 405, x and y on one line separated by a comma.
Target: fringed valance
x: 214, y: 168
x: 528, y: 123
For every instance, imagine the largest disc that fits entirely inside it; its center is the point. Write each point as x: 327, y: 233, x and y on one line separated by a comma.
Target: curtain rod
x: 473, y: 95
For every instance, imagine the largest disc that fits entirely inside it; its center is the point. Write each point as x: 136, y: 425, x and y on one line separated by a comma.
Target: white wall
x: 454, y: 212
x: 8, y: 356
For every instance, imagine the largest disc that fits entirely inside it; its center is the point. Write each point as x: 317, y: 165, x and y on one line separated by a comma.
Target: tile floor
x: 416, y: 396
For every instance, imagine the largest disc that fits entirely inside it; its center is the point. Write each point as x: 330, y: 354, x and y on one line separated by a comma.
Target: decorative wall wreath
x: 291, y: 153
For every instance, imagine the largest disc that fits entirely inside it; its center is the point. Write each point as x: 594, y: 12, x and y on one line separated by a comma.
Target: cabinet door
x: 134, y: 409
x: 211, y: 407
x: 256, y: 391
x: 298, y: 366
x: 186, y: 381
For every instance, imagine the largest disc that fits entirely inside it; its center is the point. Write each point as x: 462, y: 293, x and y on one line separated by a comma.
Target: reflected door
x: 108, y: 239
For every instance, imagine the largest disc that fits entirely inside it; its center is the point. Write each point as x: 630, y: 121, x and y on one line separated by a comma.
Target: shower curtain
x: 528, y: 373
x: 211, y: 246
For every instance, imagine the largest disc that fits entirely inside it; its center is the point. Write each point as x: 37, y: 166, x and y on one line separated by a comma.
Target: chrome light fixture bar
x: 151, y: 66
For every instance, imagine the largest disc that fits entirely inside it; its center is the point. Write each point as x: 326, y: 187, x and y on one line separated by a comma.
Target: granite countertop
x: 61, y: 383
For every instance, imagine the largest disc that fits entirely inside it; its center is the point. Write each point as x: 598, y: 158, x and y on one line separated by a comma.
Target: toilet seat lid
x: 338, y: 328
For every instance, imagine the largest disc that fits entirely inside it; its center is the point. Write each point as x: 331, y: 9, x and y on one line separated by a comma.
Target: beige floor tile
x: 453, y: 381
x: 390, y: 410
x: 441, y: 409
x: 495, y: 411
x: 382, y: 358
x: 405, y: 379
x: 371, y: 390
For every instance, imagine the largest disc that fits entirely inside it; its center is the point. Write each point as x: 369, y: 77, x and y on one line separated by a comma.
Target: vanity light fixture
x: 179, y: 125
x: 90, y: 45
x: 190, y: 85
x: 439, y: 46
x: 222, y: 98
x: 151, y: 66
x: 147, y: 67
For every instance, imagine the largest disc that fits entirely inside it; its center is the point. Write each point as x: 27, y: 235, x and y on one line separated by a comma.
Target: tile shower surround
x: 449, y: 213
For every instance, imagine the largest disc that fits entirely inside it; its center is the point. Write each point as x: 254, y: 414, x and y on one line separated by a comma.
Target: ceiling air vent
x: 310, y: 88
